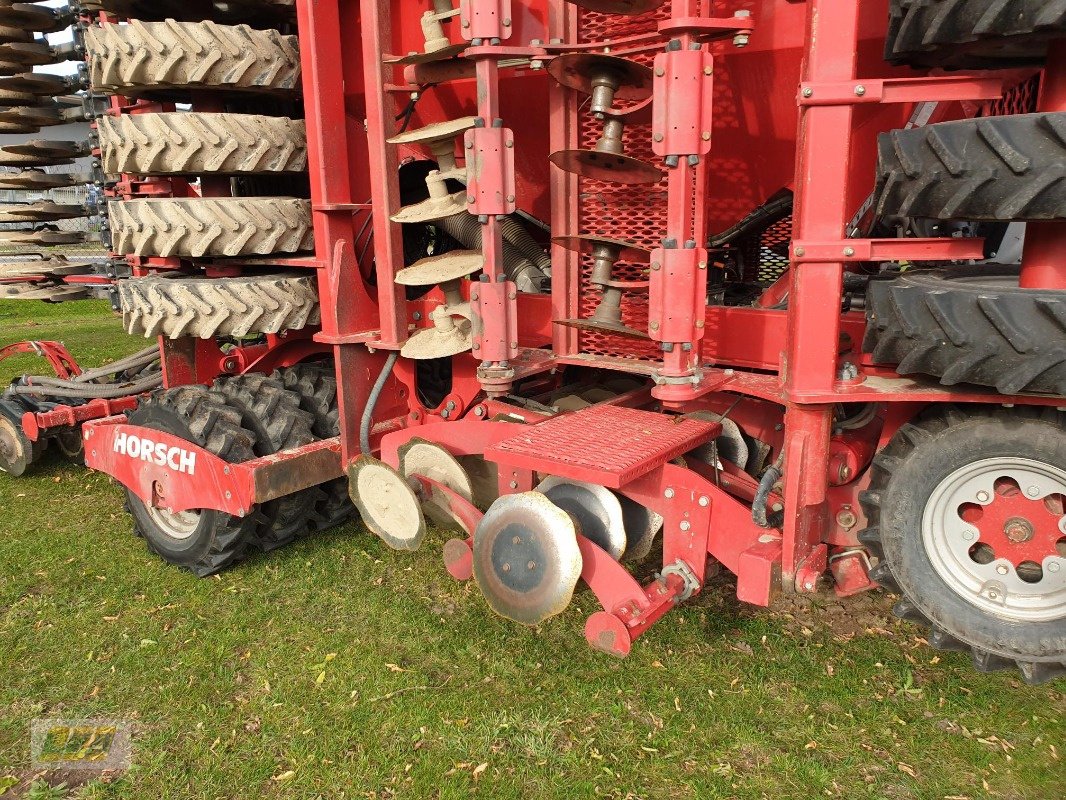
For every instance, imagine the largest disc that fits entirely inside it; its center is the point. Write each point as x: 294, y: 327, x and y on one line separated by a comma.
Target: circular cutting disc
x: 595, y: 509
x: 419, y: 457
x: 451, y: 51
x: 438, y: 131
x: 449, y: 266
x: 436, y: 343
x: 577, y: 71
x: 627, y: 251
x: 388, y: 504
x: 16, y: 451
x: 526, y: 558
x: 642, y: 526
x: 607, y: 167
x: 729, y: 446
x: 618, y: 329
x: 628, y: 7
x: 433, y: 209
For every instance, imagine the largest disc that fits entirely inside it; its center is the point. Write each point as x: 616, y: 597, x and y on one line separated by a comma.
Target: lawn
x: 338, y: 669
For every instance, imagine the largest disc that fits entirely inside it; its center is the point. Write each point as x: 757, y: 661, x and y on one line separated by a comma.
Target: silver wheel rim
x: 180, y: 525
x: 954, y: 544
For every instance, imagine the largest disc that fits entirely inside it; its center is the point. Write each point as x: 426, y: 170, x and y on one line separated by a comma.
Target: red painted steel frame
x: 60, y: 359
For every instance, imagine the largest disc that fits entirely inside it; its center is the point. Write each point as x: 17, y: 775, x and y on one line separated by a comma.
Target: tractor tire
x: 972, y: 34
x: 989, y: 169
x: 153, y: 56
x: 970, y: 325
x: 273, y: 413
x: 204, y: 541
x: 316, y: 384
x: 962, y: 574
x: 201, y: 144
x: 219, y: 227
x: 205, y: 308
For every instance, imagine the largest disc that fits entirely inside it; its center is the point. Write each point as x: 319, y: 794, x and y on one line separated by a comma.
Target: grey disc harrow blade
x: 54, y: 267
x: 30, y: 54
x: 34, y: 179
x: 41, y: 153
x: 49, y: 294
x: 42, y: 238
x: 43, y: 211
x: 33, y: 17
x: 39, y: 83
x: 40, y: 116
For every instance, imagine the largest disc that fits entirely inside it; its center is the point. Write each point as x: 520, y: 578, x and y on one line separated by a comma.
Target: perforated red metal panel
x: 607, y: 445
x: 633, y: 213
x: 1022, y: 99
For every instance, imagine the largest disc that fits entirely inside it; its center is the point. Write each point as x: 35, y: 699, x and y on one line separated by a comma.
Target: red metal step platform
x: 606, y: 445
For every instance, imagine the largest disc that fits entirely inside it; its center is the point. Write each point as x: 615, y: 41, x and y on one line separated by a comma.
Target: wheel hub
x: 995, y: 532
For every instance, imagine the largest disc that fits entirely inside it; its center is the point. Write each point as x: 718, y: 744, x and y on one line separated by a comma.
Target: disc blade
x: 49, y: 294
x: 389, y: 506
x: 445, y: 53
x: 35, y: 179
x: 526, y: 558
x: 43, y: 238
x: 580, y: 71
x: 595, y: 326
x: 43, y: 211
x: 596, y: 510
x: 587, y: 245
x: 29, y: 54
x: 432, y: 343
x: 607, y: 167
x: 450, y: 266
x: 16, y: 451
x: 421, y: 457
x: 39, y: 83
x: 642, y: 526
x: 626, y: 7
x: 433, y: 209
x: 34, y: 18
x: 438, y: 131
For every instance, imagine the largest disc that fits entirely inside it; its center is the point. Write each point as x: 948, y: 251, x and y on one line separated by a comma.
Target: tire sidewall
x: 903, y: 505
x: 183, y: 552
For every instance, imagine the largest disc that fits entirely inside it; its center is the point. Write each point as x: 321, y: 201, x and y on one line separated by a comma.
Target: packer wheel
x: 967, y: 515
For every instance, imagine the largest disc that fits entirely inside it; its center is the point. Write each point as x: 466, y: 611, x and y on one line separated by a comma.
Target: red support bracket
x: 486, y: 19
x: 900, y: 90
x: 683, y: 109
x: 863, y: 250
x: 677, y: 297
x: 490, y: 171
x: 708, y: 29
x: 495, y: 328
x: 35, y: 424
x: 55, y: 353
x: 169, y: 472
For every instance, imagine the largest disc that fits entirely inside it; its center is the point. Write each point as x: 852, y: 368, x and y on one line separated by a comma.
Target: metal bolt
x: 479, y: 411
x: 655, y: 326
x: 658, y: 137
x: 993, y: 594
x: 669, y: 494
x: 708, y: 70
x: 686, y: 525
x: 860, y: 90
x: 513, y: 484
x: 1002, y: 569
x: 983, y: 496
x: 968, y: 535
x: 659, y: 71
x: 849, y: 251
x: 531, y: 565
x: 656, y: 266
x: 800, y: 251
x: 510, y: 198
x: 225, y: 470
x: 516, y: 540
x: 1033, y: 491
x: 808, y: 92
x: 470, y: 198
x: 704, y: 502
x: 1053, y: 566
x: 506, y: 567
x: 229, y: 496
x: 808, y: 586
x: 445, y: 414
x: 706, y: 136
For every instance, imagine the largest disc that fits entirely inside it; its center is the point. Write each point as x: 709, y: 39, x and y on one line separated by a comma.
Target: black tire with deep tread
x: 316, y: 384
x: 991, y: 168
x: 903, y: 477
x: 204, y: 418
x: 274, y: 414
x: 970, y: 325
x: 973, y: 34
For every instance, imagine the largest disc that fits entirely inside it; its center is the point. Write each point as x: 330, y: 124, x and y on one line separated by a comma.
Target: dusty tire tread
x: 212, y: 227
x: 204, y: 308
x: 149, y: 56
x: 198, y: 144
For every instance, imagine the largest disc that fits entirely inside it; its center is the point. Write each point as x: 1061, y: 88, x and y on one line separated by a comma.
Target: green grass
x: 338, y: 669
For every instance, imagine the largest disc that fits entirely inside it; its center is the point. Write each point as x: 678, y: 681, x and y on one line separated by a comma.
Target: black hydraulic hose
x: 372, y: 402
x: 762, y: 496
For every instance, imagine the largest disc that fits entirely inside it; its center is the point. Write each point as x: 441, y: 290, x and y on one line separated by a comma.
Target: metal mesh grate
x: 609, y: 445
x: 766, y: 254
x: 1022, y: 99
x: 633, y: 213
